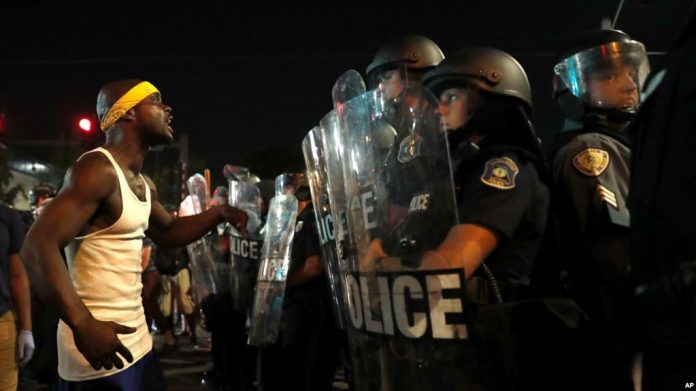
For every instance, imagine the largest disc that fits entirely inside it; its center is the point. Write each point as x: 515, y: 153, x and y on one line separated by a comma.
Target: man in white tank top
x: 100, y: 217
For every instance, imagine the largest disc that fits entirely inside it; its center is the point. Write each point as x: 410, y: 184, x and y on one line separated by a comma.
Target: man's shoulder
x: 93, y: 164
x: 92, y: 172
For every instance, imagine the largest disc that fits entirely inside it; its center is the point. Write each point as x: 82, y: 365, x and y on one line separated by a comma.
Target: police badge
x: 591, y: 161
x: 409, y: 148
x: 500, y: 173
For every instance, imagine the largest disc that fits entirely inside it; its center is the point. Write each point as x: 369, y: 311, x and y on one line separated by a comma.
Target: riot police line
x: 406, y: 178
x: 433, y: 210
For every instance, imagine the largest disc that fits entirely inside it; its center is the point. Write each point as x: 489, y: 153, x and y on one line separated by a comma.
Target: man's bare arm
x: 167, y: 231
x: 86, y: 186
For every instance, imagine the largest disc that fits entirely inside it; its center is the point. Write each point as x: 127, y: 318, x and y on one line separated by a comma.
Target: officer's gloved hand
x: 25, y: 347
x: 671, y: 293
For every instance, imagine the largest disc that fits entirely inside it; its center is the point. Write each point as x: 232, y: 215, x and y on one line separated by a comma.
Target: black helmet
x: 414, y: 52
x: 588, y: 53
x: 490, y: 69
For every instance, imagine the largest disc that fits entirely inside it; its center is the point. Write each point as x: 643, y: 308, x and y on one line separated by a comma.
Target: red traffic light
x: 85, y: 125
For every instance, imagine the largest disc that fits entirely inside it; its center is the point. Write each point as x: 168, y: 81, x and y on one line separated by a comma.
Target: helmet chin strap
x: 614, y: 114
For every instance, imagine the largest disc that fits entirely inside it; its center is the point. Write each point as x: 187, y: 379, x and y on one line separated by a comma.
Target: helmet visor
x: 577, y: 70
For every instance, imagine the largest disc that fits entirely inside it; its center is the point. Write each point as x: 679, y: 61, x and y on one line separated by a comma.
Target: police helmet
x: 413, y: 52
x: 492, y: 70
x: 588, y: 54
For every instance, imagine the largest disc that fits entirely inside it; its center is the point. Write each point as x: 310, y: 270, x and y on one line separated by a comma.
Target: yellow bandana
x: 131, y: 98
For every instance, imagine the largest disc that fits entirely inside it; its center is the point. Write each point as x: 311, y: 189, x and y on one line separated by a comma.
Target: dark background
x: 248, y: 80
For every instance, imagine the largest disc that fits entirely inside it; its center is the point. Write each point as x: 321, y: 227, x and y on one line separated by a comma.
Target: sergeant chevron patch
x: 607, y: 196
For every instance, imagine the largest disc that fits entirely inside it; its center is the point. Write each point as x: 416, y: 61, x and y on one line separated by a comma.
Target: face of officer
x: 391, y: 82
x: 613, y: 87
x: 455, y: 108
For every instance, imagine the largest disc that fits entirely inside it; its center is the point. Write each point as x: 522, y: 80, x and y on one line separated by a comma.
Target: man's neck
x: 127, y: 149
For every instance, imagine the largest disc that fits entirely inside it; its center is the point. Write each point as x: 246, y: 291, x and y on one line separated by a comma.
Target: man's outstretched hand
x: 98, y: 342
x: 237, y: 217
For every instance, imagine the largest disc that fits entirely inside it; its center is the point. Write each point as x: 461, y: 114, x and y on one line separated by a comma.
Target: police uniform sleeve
x: 498, y: 196
x: 591, y: 182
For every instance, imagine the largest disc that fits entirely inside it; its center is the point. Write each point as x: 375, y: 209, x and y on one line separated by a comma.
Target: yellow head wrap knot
x: 131, y: 98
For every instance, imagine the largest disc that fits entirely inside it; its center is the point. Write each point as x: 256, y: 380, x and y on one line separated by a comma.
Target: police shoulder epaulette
x: 500, y: 173
x: 591, y: 161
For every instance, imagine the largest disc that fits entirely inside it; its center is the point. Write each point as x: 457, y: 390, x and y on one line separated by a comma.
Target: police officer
x: 305, y: 355
x: 499, y: 173
x: 597, y: 83
x: 233, y: 359
x: 662, y: 217
x: 484, y: 104
x: 398, y: 63
x: 402, y: 60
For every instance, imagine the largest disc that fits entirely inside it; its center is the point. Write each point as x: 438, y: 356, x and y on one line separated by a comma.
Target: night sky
x: 249, y: 80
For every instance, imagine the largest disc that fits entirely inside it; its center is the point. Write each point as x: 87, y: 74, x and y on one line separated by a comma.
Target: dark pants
x: 233, y: 359
x: 144, y: 375
x: 306, y: 353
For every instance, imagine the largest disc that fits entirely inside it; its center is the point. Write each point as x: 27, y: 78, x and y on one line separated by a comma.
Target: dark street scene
x: 395, y: 196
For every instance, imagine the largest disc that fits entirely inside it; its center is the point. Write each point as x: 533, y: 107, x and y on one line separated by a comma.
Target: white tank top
x: 105, y: 268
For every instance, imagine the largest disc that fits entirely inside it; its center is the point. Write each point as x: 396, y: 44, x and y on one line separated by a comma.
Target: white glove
x: 25, y: 347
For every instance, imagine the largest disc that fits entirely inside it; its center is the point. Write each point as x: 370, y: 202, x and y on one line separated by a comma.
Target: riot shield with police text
x: 202, y: 264
x: 245, y: 251
x: 404, y: 304
x: 273, y: 271
x: 315, y: 162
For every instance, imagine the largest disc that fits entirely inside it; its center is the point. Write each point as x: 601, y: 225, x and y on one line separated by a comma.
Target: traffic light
x: 86, y: 125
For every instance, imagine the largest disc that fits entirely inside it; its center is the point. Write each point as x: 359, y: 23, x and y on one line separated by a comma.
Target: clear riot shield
x: 405, y: 311
x: 349, y: 85
x: 273, y: 270
x: 315, y: 162
x: 202, y: 264
x: 245, y: 252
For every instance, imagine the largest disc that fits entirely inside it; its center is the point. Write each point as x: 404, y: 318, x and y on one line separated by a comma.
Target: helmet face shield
x: 393, y: 80
x: 617, y: 65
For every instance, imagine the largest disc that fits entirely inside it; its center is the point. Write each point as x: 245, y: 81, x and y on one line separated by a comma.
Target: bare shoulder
x: 93, y: 176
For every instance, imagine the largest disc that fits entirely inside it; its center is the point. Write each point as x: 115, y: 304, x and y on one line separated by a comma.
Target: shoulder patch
x: 591, y: 161
x: 409, y: 148
x: 500, y: 173
x: 299, y: 226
